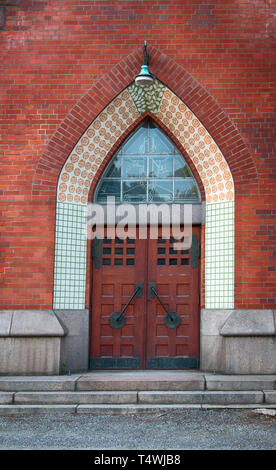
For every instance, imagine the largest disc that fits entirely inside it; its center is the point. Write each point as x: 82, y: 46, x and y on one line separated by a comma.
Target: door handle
x: 118, y: 319
x: 171, y: 319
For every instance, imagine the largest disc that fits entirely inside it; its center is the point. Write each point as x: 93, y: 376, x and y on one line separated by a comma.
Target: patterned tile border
x: 70, y: 256
x: 219, y: 255
x: 91, y: 150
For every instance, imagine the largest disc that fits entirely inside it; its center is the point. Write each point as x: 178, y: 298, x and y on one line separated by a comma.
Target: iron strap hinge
x: 172, y: 319
x: 195, y: 251
x: 118, y: 319
x: 97, y: 252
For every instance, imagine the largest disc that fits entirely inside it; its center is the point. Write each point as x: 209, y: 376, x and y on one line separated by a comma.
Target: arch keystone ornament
x: 86, y: 161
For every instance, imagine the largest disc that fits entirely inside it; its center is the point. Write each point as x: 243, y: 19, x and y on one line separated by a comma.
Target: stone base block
x: 250, y: 355
x: 30, y: 342
x: 30, y: 356
x: 75, y: 348
x: 238, y: 341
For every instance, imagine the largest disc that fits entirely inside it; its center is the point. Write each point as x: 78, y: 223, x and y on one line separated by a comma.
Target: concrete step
x: 74, y: 398
x: 113, y: 409
x: 149, y: 380
x: 240, y: 382
x: 193, y: 397
x: 108, y: 381
x: 124, y: 392
x: 139, y: 380
x: 39, y: 383
x: 138, y: 398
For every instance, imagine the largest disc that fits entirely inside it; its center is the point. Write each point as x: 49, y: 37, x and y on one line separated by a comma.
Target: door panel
x: 145, y: 340
x: 122, y: 266
x: 177, y: 284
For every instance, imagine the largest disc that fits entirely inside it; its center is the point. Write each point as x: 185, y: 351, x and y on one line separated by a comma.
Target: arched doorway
x: 145, y: 308
x: 85, y: 165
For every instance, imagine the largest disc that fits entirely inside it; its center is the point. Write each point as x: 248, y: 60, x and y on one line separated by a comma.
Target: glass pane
x: 161, y: 166
x: 158, y: 142
x: 185, y: 190
x: 161, y: 261
x: 181, y: 168
x: 134, y: 167
x: 160, y: 191
x: 134, y: 191
x: 109, y: 188
x: 114, y: 169
x: 118, y: 262
x: 137, y: 142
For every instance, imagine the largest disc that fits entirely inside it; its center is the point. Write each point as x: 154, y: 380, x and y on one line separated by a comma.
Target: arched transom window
x: 148, y: 168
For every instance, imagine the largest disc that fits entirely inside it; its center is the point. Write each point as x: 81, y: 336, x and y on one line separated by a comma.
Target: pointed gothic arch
x: 90, y: 155
x: 104, y: 91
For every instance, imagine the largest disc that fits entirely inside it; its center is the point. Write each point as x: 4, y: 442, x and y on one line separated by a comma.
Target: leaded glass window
x: 148, y: 168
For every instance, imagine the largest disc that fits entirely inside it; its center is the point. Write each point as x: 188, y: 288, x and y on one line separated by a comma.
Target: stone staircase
x: 134, y: 391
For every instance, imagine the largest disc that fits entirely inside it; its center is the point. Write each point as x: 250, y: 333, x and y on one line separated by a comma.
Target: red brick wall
x: 63, y: 61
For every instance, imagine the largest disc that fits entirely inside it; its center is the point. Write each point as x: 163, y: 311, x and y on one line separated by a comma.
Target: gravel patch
x: 185, y: 429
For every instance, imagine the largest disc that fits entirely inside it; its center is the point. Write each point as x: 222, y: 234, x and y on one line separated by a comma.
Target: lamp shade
x: 144, y: 78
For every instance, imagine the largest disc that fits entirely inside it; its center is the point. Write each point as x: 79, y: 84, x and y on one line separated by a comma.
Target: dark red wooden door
x: 121, y: 267
x: 176, y: 282
x: 144, y: 340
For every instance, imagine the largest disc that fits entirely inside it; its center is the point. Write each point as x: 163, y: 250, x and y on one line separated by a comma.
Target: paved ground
x: 186, y: 429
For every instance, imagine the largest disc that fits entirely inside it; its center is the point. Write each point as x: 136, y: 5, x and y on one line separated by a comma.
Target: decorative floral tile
x: 201, y: 148
x: 85, y: 159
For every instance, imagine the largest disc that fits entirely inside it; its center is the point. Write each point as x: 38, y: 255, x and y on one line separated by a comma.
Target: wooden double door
x: 145, y: 304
